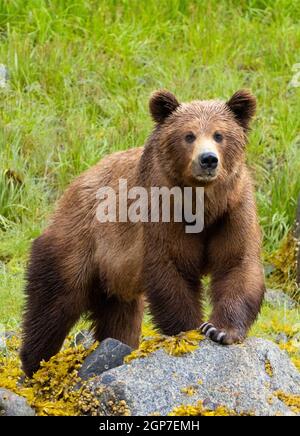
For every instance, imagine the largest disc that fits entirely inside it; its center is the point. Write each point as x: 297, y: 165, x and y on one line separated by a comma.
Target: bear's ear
x: 162, y: 103
x: 243, y: 105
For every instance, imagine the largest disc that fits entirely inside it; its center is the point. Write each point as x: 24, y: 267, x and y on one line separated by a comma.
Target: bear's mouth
x: 206, y: 176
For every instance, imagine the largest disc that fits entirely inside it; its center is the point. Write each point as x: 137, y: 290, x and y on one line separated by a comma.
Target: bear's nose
x: 208, y: 161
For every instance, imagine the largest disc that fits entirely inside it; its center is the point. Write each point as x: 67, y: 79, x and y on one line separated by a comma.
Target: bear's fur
x: 80, y: 265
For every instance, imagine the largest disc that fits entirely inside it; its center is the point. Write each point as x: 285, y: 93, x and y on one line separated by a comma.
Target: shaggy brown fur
x: 81, y: 265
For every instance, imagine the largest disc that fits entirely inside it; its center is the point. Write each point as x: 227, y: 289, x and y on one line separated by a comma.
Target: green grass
x: 80, y: 76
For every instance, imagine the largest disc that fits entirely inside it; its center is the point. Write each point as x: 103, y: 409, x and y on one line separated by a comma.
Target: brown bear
x: 80, y: 265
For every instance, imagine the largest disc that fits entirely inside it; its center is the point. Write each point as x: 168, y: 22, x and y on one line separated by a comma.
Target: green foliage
x: 80, y: 76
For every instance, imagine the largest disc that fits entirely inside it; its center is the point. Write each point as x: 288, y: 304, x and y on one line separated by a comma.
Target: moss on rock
x: 198, y: 409
x: 268, y: 368
x: 292, y: 401
x: 292, y: 347
x: 173, y: 345
x: 56, y: 388
x: 190, y: 390
x: 53, y: 388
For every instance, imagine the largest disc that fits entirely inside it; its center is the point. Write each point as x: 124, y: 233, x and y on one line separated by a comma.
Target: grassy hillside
x: 80, y: 74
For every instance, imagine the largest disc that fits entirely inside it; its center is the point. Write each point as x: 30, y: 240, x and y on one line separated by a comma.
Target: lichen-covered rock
x: 109, y: 354
x: 277, y: 298
x: 13, y: 405
x: 255, y: 377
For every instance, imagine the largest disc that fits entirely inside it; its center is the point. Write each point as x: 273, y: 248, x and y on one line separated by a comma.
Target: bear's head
x: 202, y: 141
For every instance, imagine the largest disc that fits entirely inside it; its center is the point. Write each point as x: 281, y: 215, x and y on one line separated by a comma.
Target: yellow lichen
x: 276, y: 326
x: 268, y: 368
x: 292, y: 401
x: 296, y: 362
x: 189, y: 390
x: 293, y: 349
x: 174, y: 345
x: 118, y: 408
x: 199, y: 410
x: 51, y: 390
x: 148, y: 331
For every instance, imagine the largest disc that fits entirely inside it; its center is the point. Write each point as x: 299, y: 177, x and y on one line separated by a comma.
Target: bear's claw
x: 212, y: 332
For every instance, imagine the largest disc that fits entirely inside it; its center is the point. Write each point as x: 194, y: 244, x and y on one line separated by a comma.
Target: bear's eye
x: 190, y: 137
x: 218, y: 137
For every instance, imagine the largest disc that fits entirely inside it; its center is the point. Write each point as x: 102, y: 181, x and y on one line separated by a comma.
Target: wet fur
x: 79, y: 265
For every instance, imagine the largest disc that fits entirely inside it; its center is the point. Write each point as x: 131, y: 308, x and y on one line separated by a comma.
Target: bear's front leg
x: 237, y: 287
x: 174, y: 303
x: 237, y: 295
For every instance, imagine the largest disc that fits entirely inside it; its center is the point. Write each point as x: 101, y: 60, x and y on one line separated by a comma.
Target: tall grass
x: 80, y: 76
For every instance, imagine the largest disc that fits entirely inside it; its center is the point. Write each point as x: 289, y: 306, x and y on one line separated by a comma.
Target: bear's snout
x: 208, y: 161
x: 205, y: 166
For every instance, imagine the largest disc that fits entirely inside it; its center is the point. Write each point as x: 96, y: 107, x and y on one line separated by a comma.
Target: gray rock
x: 277, y: 298
x: 14, y: 405
x: 232, y: 376
x: 109, y: 354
